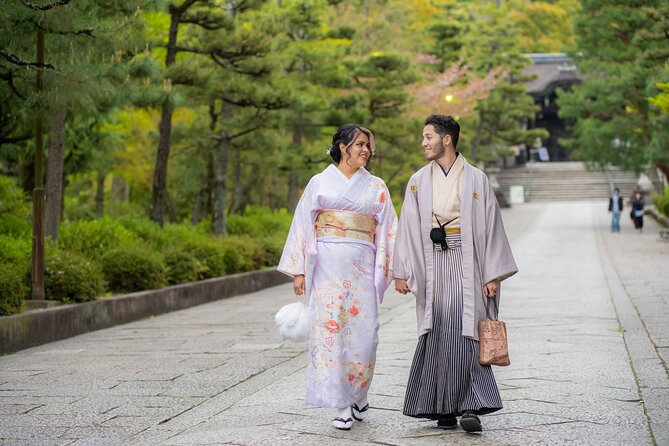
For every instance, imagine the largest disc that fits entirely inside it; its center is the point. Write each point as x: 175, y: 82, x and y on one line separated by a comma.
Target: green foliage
x: 209, y: 253
x: 15, y: 261
x: 70, y: 277
x: 133, y: 268
x: 148, y: 231
x: 662, y: 202
x: 242, y: 254
x: 183, y: 267
x: 13, y: 289
x: 96, y: 237
x: 14, y: 209
x: 15, y: 250
x: 260, y: 222
x: 273, y: 249
x: 622, y: 51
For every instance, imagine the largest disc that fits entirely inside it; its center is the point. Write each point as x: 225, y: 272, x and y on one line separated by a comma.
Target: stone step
x: 567, y: 181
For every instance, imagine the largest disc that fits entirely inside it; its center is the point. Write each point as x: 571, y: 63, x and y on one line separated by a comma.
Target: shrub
x: 259, y: 222
x: 273, y: 249
x: 183, y: 267
x: 133, y: 268
x: 242, y: 254
x: 209, y: 253
x: 147, y: 230
x: 14, y: 273
x: 662, y: 202
x: 94, y: 238
x: 70, y: 277
x: 14, y: 209
x: 15, y: 250
x: 13, y: 289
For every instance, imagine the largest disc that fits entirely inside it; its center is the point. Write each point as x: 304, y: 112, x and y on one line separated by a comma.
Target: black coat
x: 620, y: 204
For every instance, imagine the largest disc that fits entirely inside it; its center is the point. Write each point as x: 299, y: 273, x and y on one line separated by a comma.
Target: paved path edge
x: 37, y: 327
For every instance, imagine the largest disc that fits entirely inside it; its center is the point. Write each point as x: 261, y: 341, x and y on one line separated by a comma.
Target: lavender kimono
x: 345, y: 280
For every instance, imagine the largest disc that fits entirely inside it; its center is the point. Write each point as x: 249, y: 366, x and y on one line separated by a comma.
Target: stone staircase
x: 570, y: 181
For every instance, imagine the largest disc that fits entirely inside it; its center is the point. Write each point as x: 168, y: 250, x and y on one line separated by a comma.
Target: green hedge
x: 133, y: 268
x: 129, y: 253
x: 95, y: 238
x: 13, y: 289
x: 259, y: 222
x: 662, y: 202
x: 70, y: 277
x: 210, y: 253
x: 14, y: 279
x: 15, y: 210
x: 183, y: 267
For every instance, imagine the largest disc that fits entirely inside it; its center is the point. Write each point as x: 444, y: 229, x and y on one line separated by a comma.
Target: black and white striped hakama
x: 446, y: 377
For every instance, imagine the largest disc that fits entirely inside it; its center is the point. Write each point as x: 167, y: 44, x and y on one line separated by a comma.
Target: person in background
x: 637, y: 211
x: 339, y: 252
x: 615, y: 208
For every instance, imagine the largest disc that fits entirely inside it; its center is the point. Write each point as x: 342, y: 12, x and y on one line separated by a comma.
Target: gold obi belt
x: 346, y: 224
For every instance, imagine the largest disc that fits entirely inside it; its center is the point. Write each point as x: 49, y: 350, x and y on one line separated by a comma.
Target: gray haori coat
x: 486, y: 254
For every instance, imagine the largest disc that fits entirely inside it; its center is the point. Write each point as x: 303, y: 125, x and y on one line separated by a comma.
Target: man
x: 452, y: 253
x: 615, y: 208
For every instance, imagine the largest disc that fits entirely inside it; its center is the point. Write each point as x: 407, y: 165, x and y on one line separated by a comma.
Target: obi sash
x: 348, y: 224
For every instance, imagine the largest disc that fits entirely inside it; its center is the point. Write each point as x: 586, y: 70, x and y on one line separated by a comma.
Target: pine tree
x: 621, y: 61
x: 490, y: 43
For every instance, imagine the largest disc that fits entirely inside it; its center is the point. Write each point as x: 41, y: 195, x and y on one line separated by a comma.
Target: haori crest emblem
x: 414, y: 188
x: 476, y: 196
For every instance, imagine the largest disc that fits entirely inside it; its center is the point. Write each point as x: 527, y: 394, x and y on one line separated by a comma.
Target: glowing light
x: 448, y: 98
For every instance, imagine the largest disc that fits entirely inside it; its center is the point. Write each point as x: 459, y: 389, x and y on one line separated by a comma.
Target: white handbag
x: 293, y: 322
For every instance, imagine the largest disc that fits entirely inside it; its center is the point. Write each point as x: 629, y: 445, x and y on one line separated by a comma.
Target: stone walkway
x: 589, y: 348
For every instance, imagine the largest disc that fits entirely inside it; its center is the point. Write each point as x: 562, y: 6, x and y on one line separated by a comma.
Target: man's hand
x: 491, y: 288
x: 401, y: 286
x: 298, y: 284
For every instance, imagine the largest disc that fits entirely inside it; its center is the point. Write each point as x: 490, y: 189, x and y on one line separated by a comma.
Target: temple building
x: 552, y: 70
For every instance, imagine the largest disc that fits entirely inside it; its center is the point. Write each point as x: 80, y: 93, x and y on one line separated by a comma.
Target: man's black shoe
x: 470, y: 422
x: 448, y: 422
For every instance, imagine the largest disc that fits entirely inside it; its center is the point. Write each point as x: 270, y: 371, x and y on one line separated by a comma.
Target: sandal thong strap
x: 344, y: 420
x: 364, y: 409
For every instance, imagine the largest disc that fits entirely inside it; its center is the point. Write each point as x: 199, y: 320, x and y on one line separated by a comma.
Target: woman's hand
x: 298, y: 284
x: 401, y: 286
x: 491, y: 288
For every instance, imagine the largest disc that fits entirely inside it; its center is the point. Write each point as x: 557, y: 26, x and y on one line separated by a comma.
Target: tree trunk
x: 271, y: 195
x: 165, y: 128
x: 293, y: 178
x: 237, y: 190
x: 219, y: 223
x: 100, y: 194
x: 199, y: 202
x: 120, y: 189
x: 54, y: 173
x: 37, y: 255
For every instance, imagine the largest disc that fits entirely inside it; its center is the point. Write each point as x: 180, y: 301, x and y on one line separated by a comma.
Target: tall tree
x: 490, y: 43
x: 622, y: 50
x: 206, y: 15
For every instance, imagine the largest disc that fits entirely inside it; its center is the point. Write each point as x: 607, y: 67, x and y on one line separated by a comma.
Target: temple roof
x: 551, y: 69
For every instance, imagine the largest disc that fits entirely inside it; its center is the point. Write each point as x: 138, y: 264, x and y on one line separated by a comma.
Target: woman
x: 339, y: 252
x: 637, y: 211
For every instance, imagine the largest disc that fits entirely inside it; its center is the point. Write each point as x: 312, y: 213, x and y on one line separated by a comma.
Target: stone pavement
x: 589, y: 348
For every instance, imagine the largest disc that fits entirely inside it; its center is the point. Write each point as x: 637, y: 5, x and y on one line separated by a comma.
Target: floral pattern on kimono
x: 345, y: 280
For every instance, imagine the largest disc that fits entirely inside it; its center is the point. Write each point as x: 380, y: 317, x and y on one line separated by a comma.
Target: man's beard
x: 437, y: 152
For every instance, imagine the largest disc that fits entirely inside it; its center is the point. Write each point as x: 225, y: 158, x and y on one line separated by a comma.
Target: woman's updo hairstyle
x: 347, y: 134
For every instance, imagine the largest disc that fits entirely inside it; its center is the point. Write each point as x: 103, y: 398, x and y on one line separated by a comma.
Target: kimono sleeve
x: 293, y: 258
x: 498, y: 262
x: 385, y: 243
x: 405, y: 236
